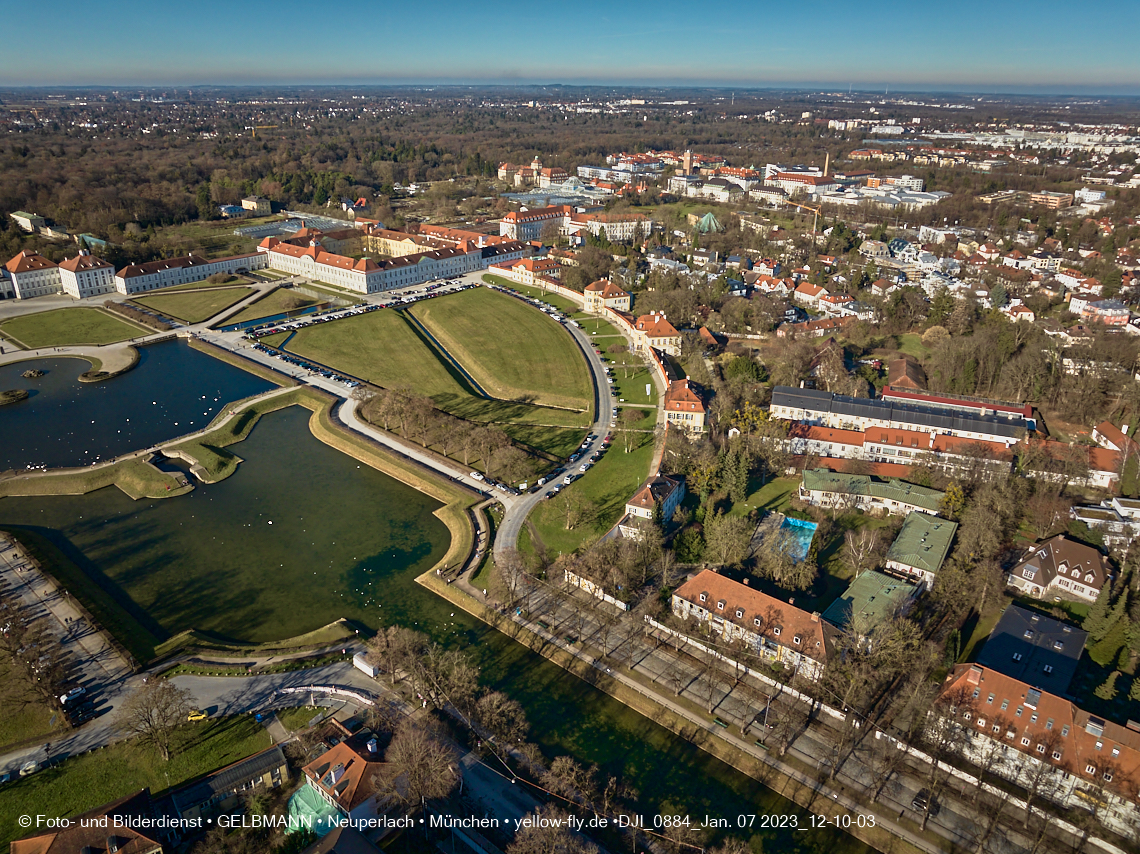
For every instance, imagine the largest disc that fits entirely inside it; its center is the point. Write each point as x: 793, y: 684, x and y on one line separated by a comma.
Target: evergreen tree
x: 1134, y: 694
x: 1107, y: 689
x: 1096, y: 622
x: 1124, y: 658
x: 998, y: 295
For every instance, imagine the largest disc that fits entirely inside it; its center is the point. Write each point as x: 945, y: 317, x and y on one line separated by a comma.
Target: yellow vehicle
x: 197, y: 715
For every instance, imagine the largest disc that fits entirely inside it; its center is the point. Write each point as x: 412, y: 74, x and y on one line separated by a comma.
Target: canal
x: 302, y: 535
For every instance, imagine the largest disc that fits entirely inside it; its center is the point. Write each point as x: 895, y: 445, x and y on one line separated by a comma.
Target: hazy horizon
x: 972, y: 49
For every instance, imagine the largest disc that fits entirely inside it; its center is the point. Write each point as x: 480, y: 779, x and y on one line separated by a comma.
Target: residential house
x: 1034, y: 648
x: 775, y: 630
x: 1096, y: 760
x: 528, y: 271
x: 29, y: 221
x: 653, y: 330
x: 824, y: 488
x: 660, y: 491
x: 808, y: 295
x: 684, y: 407
x: 343, y: 778
x: 870, y: 601
x: 604, y: 294
x: 222, y: 791
x: 1110, y: 312
x: 1108, y: 435
x: 1060, y: 567
x: 921, y: 547
x: 906, y: 373
x: 257, y: 205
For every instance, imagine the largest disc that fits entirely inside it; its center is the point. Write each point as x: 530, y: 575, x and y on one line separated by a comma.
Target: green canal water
x: 347, y: 541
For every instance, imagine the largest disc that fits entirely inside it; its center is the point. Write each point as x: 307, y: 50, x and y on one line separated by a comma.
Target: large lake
x: 174, y: 389
x: 348, y: 541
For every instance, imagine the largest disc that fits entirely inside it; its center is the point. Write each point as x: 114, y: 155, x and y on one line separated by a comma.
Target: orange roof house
x: 684, y: 407
x: 801, y: 640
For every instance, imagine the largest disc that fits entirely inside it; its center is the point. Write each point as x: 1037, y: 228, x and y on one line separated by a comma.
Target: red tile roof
x: 81, y: 263
x: 150, y: 267
x: 1053, y: 726
x: 345, y: 772
x: 655, y: 326
x: 28, y: 261
x: 681, y: 398
x: 779, y: 621
x: 816, y: 433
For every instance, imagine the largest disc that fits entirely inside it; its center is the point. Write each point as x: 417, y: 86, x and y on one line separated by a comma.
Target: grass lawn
x: 22, y: 722
x: 194, y: 307
x: 511, y: 350
x: 87, y: 781
x: 609, y: 484
x: 559, y: 442
x: 911, y: 344
x: 230, y: 281
x: 632, y: 389
x: 278, y: 302
x: 775, y: 495
x: 63, y: 327
x: 295, y: 719
x: 383, y: 348
x: 274, y: 340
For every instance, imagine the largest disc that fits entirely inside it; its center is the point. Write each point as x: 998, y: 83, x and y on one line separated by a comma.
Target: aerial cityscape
x: 510, y: 450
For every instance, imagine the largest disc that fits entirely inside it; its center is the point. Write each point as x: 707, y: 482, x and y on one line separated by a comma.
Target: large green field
x: 383, y: 348
x: 278, y: 302
x: 86, y: 781
x: 510, y: 349
x: 194, y: 306
x: 607, y: 486
x: 64, y: 327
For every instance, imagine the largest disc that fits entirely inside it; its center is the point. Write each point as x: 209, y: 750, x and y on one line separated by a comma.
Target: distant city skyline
x: 970, y: 47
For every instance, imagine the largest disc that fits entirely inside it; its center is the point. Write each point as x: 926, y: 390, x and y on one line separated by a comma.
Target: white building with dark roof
x: 1061, y: 567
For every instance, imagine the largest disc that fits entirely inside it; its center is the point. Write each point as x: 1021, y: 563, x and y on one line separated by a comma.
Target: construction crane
x: 256, y: 128
x: 815, y: 211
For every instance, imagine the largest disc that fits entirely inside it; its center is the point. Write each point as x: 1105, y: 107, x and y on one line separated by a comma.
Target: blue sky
x: 1047, y: 46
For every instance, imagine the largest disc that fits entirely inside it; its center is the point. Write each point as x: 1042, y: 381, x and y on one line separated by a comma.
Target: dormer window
x: 739, y: 613
x: 720, y: 605
x: 1056, y: 756
x: 756, y: 622
x: 776, y: 631
x: 704, y: 597
x: 1089, y: 578
x: 796, y: 639
x: 1029, y: 633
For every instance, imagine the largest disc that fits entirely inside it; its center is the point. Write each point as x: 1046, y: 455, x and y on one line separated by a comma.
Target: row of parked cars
x: 306, y: 365
x: 544, y: 307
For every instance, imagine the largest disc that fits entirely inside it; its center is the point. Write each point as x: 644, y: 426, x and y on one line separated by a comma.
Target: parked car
x: 924, y: 803
x: 475, y: 475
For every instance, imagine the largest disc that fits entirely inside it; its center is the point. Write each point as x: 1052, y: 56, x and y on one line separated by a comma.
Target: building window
x: 1017, y: 656
x: 1048, y: 668
x: 1029, y: 633
x: 1056, y: 756
x: 739, y: 613
x: 1116, y: 751
x: 796, y: 639
x: 1004, y: 705
x: 776, y: 631
x: 720, y: 605
x: 1099, y: 745
x: 1090, y: 769
x: 1108, y: 776
x: 1041, y: 748
x: 704, y: 597
x: 1033, y: 719
x: 990, y: 699
x: 1049, y: 724
x: 1064, y: 730
x: 757, y: 622
x: 1025, y: 741
x: 1018, y: 712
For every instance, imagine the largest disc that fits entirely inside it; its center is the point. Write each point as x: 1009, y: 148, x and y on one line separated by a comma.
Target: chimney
x: 815, y: 616
x: 373, y: 745
x: 746, y: 580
